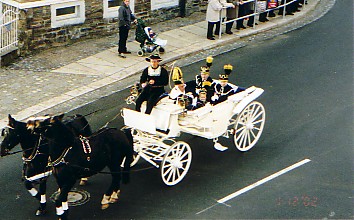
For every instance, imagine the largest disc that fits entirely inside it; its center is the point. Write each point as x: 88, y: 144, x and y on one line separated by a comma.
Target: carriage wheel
x: 176, y: 163
x: 249, y: 126
x: 161, y: 50
x: 140, y: 53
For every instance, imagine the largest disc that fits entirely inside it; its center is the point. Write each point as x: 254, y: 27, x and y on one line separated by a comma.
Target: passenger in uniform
x: 203, y: 80
x: 223, y: 89
x: 153, y: 80
x: 199, y: 101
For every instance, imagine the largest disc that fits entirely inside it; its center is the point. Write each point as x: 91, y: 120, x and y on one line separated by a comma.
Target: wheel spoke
x: 240, y: 135
x: 249, y: 138
x: 254, y: 118
x: 255, y: 111
x: 183, y: 148
x: 256, y: 122
x: 241, y: 128
x: 185, y: 160
x: 254, y: 136
x: 170, y: 174
x: 168, y: 171
x: 245, y: 139
x: 178, y: 173
x: 184, y: 154
x: 174, y: 174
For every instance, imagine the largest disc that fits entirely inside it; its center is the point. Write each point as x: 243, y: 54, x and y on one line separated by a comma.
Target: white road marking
x: 260, y: 182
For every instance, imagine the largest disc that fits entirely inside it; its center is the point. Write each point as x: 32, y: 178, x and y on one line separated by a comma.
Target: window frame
x: 112, y: 12
x: 69, y: 19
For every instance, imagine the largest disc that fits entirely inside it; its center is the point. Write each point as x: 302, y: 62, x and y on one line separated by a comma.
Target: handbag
x: 272, y: 3
x: 261, y: 6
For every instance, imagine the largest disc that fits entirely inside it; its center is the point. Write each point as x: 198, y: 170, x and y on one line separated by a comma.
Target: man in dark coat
x: 153, y: 80
x: 125, y: 17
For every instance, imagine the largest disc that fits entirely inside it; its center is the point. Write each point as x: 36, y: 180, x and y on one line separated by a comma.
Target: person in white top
x: 213, y: 16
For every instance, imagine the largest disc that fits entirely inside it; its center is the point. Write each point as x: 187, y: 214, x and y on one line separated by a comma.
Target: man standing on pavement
x: 125, y: 17
x: 153, y: 80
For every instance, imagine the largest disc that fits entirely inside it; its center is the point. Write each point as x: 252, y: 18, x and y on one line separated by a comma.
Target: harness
x: 86, y: 147
x: 60, y: 159
x: 34, y: 153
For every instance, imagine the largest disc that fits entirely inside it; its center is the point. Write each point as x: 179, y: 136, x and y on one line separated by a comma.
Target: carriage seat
x: 196, y: 117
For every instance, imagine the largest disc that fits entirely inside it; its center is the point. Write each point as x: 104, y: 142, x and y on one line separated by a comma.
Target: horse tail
x: 129, y: 151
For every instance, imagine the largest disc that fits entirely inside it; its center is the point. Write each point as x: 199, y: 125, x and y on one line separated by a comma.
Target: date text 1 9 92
x: 304, y: 200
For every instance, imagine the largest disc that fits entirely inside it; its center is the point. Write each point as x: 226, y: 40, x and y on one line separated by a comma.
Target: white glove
x: 214, y: 98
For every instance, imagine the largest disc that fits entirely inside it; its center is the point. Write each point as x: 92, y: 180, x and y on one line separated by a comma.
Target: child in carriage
x: 149, y: 42
x: 222, y: 88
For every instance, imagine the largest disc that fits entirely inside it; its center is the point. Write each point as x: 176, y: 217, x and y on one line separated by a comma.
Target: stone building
x: 38, y: 24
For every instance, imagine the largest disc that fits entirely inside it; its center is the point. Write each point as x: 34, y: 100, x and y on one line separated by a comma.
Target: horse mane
x: 79, y: 125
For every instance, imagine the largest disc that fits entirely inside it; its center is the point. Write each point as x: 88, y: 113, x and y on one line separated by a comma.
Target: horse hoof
x: 40, y: 212
x: 83, y: 181
x: 111, y: 201
x: 104, y: 206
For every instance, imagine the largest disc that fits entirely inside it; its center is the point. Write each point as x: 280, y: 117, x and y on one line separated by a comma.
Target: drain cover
x: 75, y: 197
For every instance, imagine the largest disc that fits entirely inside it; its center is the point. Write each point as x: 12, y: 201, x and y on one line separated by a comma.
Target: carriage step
x: 219, y: 147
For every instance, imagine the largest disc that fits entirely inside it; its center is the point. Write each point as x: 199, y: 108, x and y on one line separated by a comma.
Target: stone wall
x: 35, y: 32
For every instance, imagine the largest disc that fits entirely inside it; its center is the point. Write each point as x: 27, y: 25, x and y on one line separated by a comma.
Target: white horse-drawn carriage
x: 154, y: 135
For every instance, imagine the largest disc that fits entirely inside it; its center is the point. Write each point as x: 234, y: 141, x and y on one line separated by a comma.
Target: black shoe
x: 289, y: 13
x: 250, y: 25
x: 211, y: 38
x: 271, y: 15
x: 229, y: 32
x: 127, y: 52
x: 121, y: 55
x: 243, y: 27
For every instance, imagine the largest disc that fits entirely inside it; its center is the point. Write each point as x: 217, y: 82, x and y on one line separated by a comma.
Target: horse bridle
x: 35, y: 151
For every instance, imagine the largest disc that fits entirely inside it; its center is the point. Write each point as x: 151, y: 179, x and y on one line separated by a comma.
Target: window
x: 114, y: 3
x: 110, y: 7
x: 67, y: 13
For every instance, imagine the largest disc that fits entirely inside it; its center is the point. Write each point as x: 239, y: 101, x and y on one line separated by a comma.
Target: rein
x: 105, y: 172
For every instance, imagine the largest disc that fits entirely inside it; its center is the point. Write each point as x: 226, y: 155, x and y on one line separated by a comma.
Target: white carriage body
x: 210, y: 121
x: 154, y: 134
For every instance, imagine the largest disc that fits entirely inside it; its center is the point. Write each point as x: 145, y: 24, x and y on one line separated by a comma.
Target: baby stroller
x: 149, y: 42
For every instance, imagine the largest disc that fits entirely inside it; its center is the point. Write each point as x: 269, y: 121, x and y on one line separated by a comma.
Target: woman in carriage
x: 149, y: 42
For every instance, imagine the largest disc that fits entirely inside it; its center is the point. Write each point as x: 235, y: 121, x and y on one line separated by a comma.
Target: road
x: 307, y: 76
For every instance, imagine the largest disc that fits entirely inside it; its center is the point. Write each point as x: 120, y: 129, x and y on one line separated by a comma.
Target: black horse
x: 35, y: 153
x: 72, y: 160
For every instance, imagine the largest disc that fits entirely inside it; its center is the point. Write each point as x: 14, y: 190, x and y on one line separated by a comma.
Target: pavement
x: 27, y: 92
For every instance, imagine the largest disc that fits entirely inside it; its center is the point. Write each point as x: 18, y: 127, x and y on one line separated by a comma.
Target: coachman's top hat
x: 225, y: 76
x: 153, y: 57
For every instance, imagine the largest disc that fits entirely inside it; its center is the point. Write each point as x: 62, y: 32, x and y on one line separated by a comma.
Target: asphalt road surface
x: 302, y: 166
